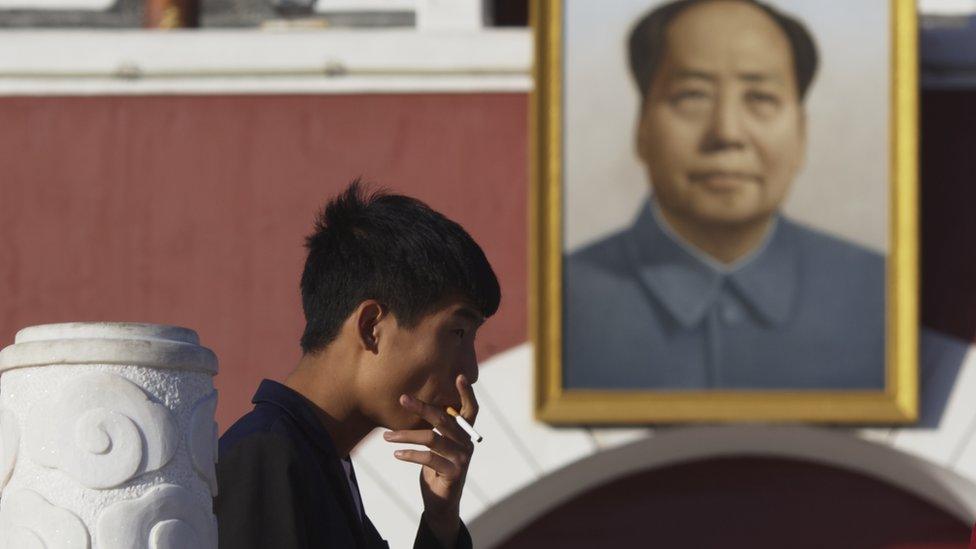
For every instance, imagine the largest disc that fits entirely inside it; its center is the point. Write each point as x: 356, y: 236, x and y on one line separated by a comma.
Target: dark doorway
x: 751, y: 503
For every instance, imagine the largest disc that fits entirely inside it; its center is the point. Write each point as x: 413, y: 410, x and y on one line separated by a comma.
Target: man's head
x: 722, y: 126
x: 403, y: 289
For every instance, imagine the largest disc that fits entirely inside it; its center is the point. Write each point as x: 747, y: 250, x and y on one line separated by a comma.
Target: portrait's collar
x: 687, y: 282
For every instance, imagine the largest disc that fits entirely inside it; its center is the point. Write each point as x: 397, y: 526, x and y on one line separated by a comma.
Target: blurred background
x: 162, y: 160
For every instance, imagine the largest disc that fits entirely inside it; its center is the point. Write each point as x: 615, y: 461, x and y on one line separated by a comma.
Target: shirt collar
x: 687, y: 282
x: 300, y: 410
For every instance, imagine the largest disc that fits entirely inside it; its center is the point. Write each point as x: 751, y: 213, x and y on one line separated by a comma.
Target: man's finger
x: 442, y: 445
x: 438, y: 463
x: 469, y: 403
x: 437, y: 417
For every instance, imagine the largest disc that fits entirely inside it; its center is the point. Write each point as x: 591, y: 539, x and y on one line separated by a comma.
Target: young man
x: 393, y: 294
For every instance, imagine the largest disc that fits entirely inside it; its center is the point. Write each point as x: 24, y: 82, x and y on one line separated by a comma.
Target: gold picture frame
x: 896, y: 404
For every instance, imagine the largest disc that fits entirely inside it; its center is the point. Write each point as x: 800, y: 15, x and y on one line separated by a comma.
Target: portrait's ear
x: 642, y: 141
x: 369, y: 318
x: 801, y: 154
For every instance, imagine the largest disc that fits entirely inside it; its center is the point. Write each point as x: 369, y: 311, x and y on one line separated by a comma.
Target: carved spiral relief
x: 102, y: 430
x: 202, y: 440
x: 166, y: 517
x: 9, y: 443
x: 28, y: 521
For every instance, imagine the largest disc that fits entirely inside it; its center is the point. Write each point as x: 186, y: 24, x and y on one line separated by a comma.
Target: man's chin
x: 730, y: 214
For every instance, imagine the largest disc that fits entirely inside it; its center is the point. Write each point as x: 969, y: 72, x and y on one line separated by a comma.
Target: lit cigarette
x: 465, y: 425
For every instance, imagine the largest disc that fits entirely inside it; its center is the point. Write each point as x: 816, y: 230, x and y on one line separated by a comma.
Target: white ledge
x: 259, y: 61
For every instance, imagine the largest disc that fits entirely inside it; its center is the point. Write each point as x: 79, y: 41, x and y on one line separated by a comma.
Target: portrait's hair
x: 648, y: 41
x: 391, y: 248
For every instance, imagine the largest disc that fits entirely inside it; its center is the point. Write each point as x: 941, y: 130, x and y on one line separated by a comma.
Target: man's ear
x: 369, y: 317
x: 642, y: 137
x: 801, y: 155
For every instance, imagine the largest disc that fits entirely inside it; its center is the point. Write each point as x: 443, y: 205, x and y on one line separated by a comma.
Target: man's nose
x: 725, y: 129
x: 470, y: 368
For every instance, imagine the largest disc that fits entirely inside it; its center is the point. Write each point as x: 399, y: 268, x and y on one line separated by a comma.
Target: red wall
x: 192, y: 210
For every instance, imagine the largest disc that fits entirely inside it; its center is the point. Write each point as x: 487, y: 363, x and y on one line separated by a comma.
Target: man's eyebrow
x: 751, y: 77
x: 695, y: 74
x: 759, y: 77
x: 470, y: 314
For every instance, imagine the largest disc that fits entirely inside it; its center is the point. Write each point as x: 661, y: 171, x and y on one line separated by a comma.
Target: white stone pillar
x: 107, y: 438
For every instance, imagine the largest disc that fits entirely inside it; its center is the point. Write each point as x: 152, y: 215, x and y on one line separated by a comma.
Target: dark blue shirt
x: 644, y: 310
x: 281, y: 483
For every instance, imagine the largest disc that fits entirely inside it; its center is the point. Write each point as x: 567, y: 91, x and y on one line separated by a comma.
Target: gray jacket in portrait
x: 643, y: 310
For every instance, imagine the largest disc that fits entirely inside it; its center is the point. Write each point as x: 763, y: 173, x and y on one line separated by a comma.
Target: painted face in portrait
x: 722, y: 128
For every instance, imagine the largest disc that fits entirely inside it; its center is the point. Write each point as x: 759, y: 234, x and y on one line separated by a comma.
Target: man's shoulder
x: 607, y: 255
x: 601, y: 288
x: 264, y: 426
x: 271, y: 492
x: 839, y: 278
x: 824, y: 250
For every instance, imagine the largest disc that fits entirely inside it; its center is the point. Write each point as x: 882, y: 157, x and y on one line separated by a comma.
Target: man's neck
x: 321, y: 381
x: 725, y: 243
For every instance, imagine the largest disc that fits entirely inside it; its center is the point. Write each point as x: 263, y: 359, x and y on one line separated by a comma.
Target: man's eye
x: 690, y: 100
x: 762, y: 98
x: 689, y: 95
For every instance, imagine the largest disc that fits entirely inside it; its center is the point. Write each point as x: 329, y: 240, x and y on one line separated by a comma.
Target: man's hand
x: 446, y: 465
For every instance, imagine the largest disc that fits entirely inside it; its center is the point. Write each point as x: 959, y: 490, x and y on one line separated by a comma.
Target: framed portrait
x: 724, y: 211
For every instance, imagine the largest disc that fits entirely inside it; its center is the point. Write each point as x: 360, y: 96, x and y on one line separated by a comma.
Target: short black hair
x: 648, y: 40
x: 391, y: 248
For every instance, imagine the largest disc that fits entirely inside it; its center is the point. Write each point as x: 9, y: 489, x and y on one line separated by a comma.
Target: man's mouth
x: 723, y: 180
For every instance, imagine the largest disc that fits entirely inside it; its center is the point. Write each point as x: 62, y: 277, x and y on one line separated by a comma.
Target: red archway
x: 745, y: 502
